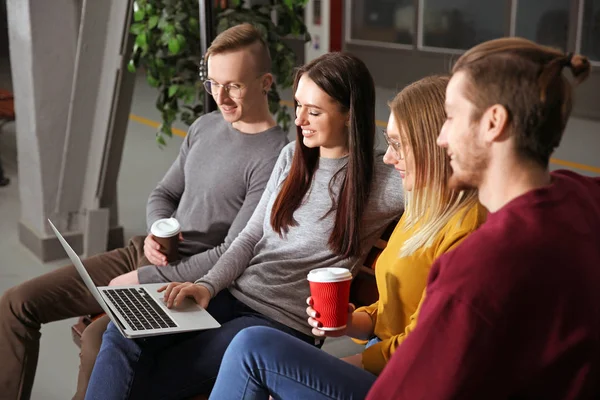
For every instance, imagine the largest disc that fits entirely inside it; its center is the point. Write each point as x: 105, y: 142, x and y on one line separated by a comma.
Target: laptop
x: 139, y: 310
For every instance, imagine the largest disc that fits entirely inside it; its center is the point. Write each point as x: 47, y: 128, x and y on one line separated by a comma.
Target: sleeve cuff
x: 373, y: 359
x: 359, y: 341
x: 362, y: 309
x: 207, y: 285
x: 372, y: 313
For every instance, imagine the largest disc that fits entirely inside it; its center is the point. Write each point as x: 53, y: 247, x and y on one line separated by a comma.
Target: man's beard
x: 461, y: 183
x: 472, y: 166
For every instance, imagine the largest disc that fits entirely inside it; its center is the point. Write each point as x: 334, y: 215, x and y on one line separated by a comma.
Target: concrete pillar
x: 48, y: 70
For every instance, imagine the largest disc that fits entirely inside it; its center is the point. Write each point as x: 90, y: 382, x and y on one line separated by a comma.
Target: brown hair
x: 419, y: 113
x: 526, y: 78
x: 244, y: 36
x: 347, y: 81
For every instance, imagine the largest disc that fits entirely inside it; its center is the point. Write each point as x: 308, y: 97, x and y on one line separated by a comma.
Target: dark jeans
x: 54, y: 296
x: 262, y: 361
x: 173, y: 366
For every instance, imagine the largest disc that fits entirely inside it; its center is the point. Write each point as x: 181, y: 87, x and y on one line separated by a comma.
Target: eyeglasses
x: 396, y: 146
x: 233, y: 90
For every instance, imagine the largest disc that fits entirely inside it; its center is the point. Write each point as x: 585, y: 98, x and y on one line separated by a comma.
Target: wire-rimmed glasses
x: 395, y: 145
x: 233, y: 90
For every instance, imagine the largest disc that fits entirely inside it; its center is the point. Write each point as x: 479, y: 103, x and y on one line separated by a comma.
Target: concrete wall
x: 395, y: 68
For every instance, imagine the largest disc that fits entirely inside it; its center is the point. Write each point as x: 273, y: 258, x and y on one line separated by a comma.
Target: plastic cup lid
x: 165, y: 227
x: 329, y: 275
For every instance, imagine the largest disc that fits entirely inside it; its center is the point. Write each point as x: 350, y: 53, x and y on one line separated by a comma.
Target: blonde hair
x: 244, y: 36
x: 419, y: 112
x: 526, y: 79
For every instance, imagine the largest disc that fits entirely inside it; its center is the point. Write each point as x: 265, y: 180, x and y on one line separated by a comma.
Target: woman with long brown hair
x: 437, y: 218
x: 328, y: 199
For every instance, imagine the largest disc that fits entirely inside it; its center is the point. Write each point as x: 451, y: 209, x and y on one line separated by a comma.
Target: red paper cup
x: 330, y: 291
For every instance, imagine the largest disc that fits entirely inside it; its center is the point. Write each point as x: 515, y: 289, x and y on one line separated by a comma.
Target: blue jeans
x: 371, y: 342
x: 173, y: 366
x: 262, y: 361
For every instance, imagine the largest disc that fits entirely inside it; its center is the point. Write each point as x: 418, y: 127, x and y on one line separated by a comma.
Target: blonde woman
x: 436, y: 219
x: 261, y: 361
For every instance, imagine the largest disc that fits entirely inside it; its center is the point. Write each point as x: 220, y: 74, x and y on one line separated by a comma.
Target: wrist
x: 351, y: 325
x: 206, y: 287
x: 360, y: 325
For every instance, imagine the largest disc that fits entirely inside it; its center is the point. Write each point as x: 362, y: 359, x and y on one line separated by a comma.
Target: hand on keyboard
x: 175, y: 292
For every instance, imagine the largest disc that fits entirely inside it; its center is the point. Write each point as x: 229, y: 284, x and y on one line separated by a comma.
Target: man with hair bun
x: 514, y: 311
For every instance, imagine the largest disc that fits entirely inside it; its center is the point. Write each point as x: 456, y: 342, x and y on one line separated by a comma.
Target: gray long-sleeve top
x: 268, y: 272
x: 212, y: 189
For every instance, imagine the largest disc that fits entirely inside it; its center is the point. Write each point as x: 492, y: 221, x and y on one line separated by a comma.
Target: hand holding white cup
x: 166, y: 233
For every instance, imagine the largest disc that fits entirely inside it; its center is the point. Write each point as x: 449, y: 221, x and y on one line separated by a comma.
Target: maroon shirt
x: 514, y: 311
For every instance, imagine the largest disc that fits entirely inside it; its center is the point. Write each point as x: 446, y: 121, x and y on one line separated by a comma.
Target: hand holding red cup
x: 330, y: 292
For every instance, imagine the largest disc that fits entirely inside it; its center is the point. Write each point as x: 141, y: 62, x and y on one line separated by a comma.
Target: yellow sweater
x: 401, y: 283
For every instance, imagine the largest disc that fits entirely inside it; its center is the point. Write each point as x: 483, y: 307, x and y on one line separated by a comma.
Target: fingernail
x: 314, y: 314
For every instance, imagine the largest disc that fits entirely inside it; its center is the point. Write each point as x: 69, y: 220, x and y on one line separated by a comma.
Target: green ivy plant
x: 167, y: 48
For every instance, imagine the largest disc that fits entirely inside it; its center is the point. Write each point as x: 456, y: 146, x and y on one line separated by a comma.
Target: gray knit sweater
x: 212, y: 189
x: 268, y: 272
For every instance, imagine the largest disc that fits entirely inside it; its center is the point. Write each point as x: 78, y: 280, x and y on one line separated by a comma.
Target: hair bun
x: 580, y: 67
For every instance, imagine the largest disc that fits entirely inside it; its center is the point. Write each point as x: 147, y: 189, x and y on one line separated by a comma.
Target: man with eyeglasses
x: 212, y: 189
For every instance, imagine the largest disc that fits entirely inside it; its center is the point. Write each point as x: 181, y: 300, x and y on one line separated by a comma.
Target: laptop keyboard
x: 139, y: 309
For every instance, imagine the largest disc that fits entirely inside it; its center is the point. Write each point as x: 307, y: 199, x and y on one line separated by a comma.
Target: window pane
x: 390, y: 21
x: 544, y: 21
x: 461, y: 24
x: 590, y: 29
